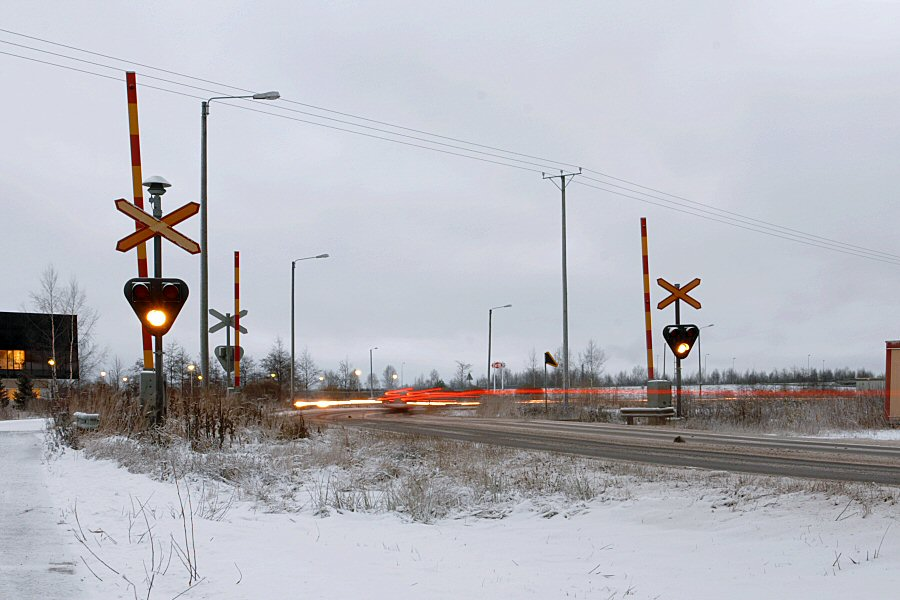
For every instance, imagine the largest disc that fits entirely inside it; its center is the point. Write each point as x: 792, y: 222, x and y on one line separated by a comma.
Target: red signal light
x: 171, y: 293
x: 141, y: 292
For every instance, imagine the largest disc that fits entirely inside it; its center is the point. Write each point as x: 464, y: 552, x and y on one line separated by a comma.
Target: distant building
x: 26, y: 346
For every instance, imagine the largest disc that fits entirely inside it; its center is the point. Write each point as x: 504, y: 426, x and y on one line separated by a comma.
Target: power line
x: 822, y: 245
x: 671, y: 201
x: 289, y: 101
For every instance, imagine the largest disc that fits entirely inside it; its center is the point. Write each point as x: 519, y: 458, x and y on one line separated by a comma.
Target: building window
x: 12, y: 360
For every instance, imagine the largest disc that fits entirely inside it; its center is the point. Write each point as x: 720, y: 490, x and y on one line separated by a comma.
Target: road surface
x: 767, y: 455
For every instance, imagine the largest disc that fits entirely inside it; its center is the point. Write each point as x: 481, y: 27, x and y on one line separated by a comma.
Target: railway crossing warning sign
x: 153, y: 226
x: 226, y: 321
x: 678, y: 293
x: 225, y: 354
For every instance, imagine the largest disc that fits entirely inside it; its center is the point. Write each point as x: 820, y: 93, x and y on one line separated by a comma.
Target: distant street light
x: 490, y: 325
x: 190, y: 369
x: 394, y: 379
x: 293, y: 269
x: 371, y: 374
x: 204, y: 248
x: 357, y: 372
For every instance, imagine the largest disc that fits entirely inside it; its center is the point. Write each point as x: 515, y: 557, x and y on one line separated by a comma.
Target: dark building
x: 26, y: 345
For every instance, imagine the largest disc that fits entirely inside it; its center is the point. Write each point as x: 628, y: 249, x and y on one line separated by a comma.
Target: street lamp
x: 490, y: 325
x: 357, y: 372
x: 371, y: 374
x: 394, y: 379
x: 204, y: 248
x: 733, y: 378
x: 808, y: 368
x: 190, y: 369
x: 403, y: 364
x: 293, y: 270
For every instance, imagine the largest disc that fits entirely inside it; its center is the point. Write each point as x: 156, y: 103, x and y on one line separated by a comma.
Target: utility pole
x: 564, y: 179
x: 204, y: 253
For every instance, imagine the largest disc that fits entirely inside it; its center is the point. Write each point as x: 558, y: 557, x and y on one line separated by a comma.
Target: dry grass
x: 769, y: 413
x: 205, y: 420
x: 427, y: 479
x: 751, y: 409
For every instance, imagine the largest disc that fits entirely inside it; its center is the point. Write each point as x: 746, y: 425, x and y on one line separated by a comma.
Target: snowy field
x: 640, y: 533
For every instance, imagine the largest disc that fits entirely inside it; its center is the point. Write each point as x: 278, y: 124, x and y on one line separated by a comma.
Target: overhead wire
x: 707, y: 217
x: 652, y: 196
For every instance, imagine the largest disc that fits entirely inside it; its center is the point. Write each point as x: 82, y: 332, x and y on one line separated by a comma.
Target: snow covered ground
x: 668, y: 533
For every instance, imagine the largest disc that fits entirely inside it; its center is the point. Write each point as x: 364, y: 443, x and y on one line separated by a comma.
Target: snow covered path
x: 37, y: 559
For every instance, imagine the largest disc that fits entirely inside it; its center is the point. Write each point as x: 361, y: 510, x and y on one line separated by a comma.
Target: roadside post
x: 680, y: 338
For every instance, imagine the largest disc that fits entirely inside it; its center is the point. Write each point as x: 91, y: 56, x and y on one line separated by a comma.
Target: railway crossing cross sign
x: 678, y: 293
x: 226, y: 321
x: 153, y: 226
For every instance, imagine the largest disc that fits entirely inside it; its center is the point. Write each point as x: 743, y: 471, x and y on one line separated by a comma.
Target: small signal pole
x: 564, y: 180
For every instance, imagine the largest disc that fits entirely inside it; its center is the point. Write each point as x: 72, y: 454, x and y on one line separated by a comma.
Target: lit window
x: 12, y: 360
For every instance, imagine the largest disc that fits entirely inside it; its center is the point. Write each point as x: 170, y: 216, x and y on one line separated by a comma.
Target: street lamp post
x: 371, y: 374
x: 490, y: 324
x: 733, y: 374
x: 190, y: 369
x: 204, y: 249
x: 293, y: 270
x: 403, y: 364
x: 358, y: 373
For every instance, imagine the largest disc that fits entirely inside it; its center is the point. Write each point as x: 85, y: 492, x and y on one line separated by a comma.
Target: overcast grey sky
x: 781, y: 111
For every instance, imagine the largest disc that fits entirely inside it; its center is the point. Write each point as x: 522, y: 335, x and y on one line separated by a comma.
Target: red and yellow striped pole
x: 237, y: 320
x: 647, y: 298
x: 136, y: 181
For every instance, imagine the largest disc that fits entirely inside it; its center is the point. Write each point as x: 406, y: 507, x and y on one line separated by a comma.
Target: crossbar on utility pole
x: 564, y: 179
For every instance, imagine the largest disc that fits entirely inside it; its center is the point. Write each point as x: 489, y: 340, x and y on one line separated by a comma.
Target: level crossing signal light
x: 156, y: 301
x: 681, y: 338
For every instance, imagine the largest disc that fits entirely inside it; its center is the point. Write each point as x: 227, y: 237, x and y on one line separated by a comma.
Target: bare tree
x: 434, y: 379
x: 346, y: 378
x: 389, y: 376
x: 47, y: 300
x: 307, y: 371
x: 176, y: 362
x: 459, y: 376
x: 74, y: 304
x: 71, y: 300
x: 592, y: 360
x: 534, y: 366
x: 277, y: 361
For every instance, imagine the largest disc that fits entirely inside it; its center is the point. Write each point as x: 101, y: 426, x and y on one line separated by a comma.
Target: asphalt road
x: 767, y: 455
